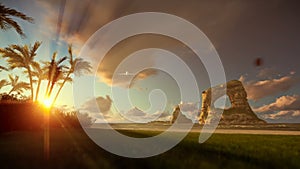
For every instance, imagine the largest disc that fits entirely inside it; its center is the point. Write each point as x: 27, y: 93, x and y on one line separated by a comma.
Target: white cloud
x: 104, y: 104
x: 282, y: 103
x: 101, y: 103
x: 284, y: 115
x: 137, y: 115
x: 190, y: 110
x: 267, y: 73
x: 283, y: 109
x: 260, y: 89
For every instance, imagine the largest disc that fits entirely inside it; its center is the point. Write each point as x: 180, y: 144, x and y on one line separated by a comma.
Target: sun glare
x: 47, y: 103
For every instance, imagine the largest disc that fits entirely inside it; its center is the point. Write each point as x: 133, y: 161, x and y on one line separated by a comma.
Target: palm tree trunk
x: 37, y: 90
x: 50, y: 76
x: 31, y: 83
x: 47, y: 89
x: 50, y: 90
x: 59, y: 90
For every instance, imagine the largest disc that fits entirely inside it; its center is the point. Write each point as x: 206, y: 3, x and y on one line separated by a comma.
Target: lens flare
x: 47, y: 103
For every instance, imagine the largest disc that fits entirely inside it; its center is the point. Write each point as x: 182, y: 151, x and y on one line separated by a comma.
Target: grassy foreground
x: 73, y: 149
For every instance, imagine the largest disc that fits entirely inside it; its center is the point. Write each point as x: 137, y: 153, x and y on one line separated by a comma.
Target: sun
x: 47, y: 103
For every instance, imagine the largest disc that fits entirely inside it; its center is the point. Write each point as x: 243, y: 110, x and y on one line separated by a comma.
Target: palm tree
x: 21, y: 57
x: 6, y: 22
x: 54, y: 73
x: 39, y: 73
x: 77, y: 66
x: 17, y: 86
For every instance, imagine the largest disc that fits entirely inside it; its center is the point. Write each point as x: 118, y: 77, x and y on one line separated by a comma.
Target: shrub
x: 16, y: 115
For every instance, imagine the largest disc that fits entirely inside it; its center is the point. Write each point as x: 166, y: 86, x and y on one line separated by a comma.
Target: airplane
x: 126, y: 74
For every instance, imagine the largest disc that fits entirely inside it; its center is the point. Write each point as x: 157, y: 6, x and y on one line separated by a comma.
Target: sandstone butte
x: 240, y: 111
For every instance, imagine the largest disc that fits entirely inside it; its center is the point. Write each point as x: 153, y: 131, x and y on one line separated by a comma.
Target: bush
x: 20, y: 116
x: 72, y: 119
x: 15, y: 115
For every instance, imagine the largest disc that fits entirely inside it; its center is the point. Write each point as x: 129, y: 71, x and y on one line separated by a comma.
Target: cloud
x: 80, y: 19
x: 101, y: 103
x: 190, y: 110
x: 267, y: 73
x: 286, y: 115
x: 83, y: 18
x: 188, y: 106
x: 109, y: 65
x: 137, y: 115
x: 162, y: 115
x: 283, y: 109
x: 134, y: 114
x: 283, y: 103
x: 260, y: 89
x: 282, y: 116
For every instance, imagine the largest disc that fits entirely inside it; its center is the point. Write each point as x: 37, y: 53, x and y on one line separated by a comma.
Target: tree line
x: 57, y: 71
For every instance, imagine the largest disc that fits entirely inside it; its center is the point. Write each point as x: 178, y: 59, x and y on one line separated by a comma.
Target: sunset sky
x: 241, y: 32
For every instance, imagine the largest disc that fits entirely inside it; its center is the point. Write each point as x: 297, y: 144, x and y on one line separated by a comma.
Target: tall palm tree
x: 6, y: 22
x: 21, y: 57
x: 55, y: 70
x: 77, y: 66
x: 40, y: 74
x: 17, y: 86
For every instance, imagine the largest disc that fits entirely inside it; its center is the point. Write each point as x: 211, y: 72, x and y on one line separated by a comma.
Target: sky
x: 240, y: 31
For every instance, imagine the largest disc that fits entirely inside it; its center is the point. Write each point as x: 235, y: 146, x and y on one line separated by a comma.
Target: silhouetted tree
x: 55, y: 72
x: 6, y: 22
x: 39, y: 73
x: 76, y: 66
x: 17, y: 86
x: 22, y: 57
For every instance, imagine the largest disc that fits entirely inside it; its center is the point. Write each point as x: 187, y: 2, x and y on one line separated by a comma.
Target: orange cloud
x: 283, y: 103
x: 260, y: 89
x: 283, y: 109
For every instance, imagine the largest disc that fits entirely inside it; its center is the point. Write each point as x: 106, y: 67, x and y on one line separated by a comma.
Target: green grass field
x: 73, y: 149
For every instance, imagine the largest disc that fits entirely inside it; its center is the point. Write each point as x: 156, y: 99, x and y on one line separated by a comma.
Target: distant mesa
x: 240, y: 111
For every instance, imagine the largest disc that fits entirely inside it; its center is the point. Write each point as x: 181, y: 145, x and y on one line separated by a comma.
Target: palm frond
x: 34, y: 48
x: 61, y: 60
x: 20, y: 87
x: 6, y: 22
x: 3, y: 83
x: 81, y: 67
x: 70, y: 54
x: 3, y: 68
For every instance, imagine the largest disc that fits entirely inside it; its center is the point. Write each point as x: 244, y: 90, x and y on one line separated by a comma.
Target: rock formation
x: 240, y: 111
x: 178, y: 117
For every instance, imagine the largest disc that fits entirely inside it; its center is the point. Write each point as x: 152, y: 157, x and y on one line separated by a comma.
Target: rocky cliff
x: 240, y: 111
x: 178, y: 117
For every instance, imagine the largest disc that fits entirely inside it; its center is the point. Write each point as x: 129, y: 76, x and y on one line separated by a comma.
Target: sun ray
x: 47, y: 102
